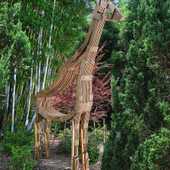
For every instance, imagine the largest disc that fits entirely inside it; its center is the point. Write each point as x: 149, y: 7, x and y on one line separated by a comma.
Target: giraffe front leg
x: 75, y: 143
x: 84, y: 140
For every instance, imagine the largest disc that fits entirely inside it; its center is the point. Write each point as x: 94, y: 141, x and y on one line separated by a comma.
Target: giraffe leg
x: 46, y: 137
x: 75, y: 143
x: 84, y: 140
x: 37, y: 136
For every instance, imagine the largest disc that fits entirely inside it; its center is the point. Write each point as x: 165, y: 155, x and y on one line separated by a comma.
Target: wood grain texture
x: 79, y: 71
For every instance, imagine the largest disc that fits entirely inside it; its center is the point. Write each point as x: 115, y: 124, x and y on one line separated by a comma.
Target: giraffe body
x: 79, y: 71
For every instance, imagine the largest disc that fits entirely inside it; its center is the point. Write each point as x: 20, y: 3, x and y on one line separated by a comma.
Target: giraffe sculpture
x: 77, y: 71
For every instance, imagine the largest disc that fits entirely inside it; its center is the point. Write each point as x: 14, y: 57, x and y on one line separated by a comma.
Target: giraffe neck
x: 92, y: 38
x: 96, y: 32
x: 92, y: 46
x: 89, y: 55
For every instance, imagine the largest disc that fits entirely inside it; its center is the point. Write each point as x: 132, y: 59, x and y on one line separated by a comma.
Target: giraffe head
x: 109, y: 10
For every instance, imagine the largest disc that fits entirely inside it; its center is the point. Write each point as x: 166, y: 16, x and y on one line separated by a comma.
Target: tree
x: 139, y: 67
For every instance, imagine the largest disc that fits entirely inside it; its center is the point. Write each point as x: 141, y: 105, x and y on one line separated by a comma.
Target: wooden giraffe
x: 79, y: 71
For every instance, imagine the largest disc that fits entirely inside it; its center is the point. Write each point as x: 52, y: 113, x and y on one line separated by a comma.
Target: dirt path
x: 58, y: 160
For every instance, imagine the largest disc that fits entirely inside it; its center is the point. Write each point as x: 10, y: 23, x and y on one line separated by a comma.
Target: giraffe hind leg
x: 37, y: 136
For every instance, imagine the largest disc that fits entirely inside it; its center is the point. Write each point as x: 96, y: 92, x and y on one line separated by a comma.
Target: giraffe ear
x: 117, y: 15
x: 98, y: 2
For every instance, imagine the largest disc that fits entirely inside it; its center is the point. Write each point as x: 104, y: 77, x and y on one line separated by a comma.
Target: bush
x: 22, y: 158
x: 19, y: 148
x: 153, y: 154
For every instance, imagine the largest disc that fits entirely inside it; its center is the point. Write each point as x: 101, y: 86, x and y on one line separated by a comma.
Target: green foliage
x: 153, y: 154
x: 56, y: 127
x: 30, y: 33
x: 19, y: 148
x: 22, y: 158
x: 4, y: 73
x: 68, y: 18
x: 140, y: 89
x: 66, y: 137
x: 165, y: 110
x: 15, y: 48
x: 95, y: 139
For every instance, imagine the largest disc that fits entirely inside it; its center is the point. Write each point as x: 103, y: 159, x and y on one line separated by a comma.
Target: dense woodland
x: 36, y: 37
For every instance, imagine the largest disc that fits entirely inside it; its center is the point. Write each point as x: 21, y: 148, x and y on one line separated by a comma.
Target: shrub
x: 19, y: 148
x: 19, y: 138
x: 153, y: 154
x: 22, y: 158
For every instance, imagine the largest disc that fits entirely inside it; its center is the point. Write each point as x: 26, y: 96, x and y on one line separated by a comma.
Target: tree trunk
x: 29, y: 127
x: 49, y: 46
x: 29, y: 98
x: 7, y: 96
x: 13, y: 100
x: 45, y: 72
x: 37, y: 72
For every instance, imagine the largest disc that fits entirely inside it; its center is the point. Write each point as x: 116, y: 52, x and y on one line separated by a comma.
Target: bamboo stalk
x: 13, y: 100
x: 29, y: 98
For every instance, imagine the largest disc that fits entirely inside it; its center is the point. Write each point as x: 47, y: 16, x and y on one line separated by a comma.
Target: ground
x: 58, y: 160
